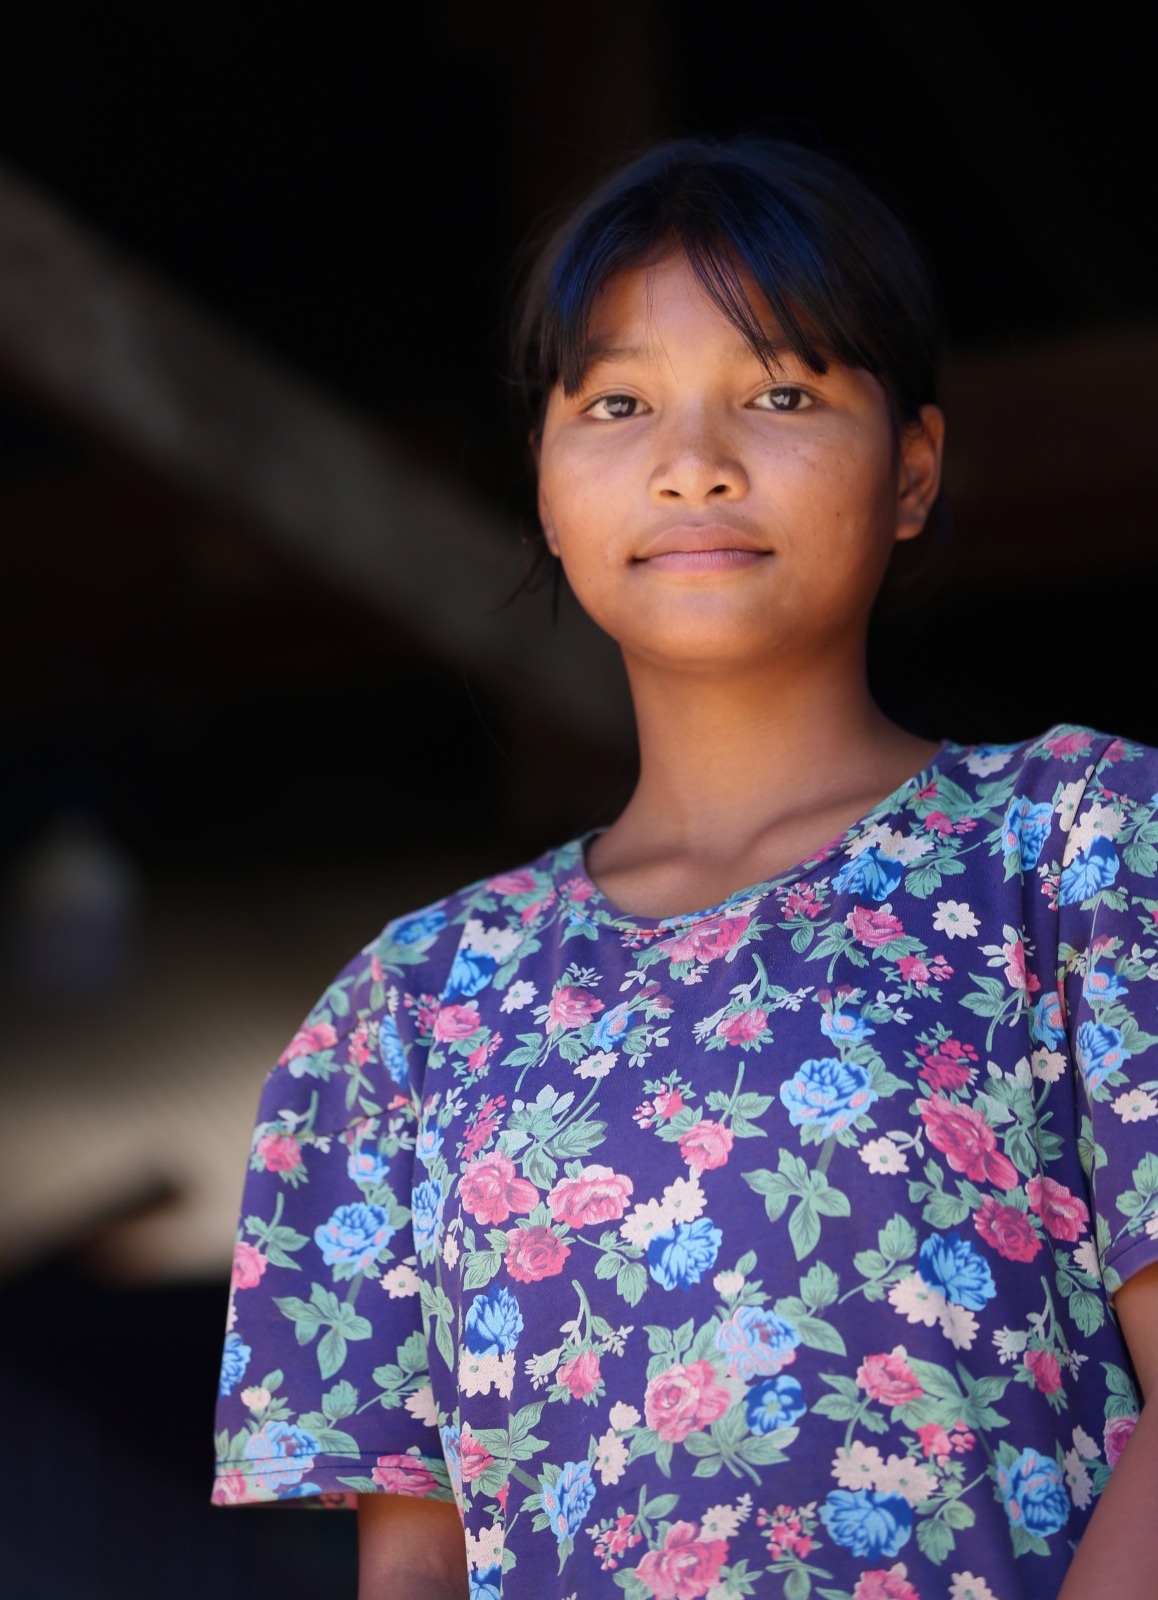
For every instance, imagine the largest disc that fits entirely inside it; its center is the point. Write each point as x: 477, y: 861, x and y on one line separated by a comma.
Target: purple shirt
x: 764, y: 1248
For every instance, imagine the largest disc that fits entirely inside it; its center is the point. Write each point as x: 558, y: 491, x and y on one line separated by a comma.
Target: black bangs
x: 835, y: 269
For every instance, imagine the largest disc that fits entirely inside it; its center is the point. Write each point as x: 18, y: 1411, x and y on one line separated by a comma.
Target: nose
x: 696, y: 463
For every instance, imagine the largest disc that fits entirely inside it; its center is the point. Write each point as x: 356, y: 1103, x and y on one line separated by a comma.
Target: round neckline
x: 573, y: 874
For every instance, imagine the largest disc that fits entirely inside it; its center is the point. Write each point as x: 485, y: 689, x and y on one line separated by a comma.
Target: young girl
x: 800, y: 1244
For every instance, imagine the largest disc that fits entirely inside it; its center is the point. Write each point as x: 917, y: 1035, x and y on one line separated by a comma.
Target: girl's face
x: 709, y: 516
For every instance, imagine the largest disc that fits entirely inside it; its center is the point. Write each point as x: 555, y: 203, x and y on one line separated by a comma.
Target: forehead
x: 640, y: 310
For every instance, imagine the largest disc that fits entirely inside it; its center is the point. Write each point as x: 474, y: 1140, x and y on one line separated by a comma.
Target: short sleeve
x: 1107, y: 899
x: 324, y: 1387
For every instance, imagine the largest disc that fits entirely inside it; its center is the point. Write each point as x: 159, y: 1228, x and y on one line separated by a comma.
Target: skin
x: 730, y: 530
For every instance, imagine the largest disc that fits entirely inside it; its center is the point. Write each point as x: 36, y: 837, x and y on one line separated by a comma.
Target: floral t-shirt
x: 761, y: 1250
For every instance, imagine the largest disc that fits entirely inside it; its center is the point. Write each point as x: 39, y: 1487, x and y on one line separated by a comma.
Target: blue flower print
x: 423, y: 925
x: 756, y: 1343
x: 1095, y: 868
x: 366, y: 1166
x: 1033, y: 1494
x: 426, y: 1204
x: 611, y: 1027
x: 451, y: 1436
x: 353, y: 1236
x: 871, y: 873
x: 867, y: 1522
x: 1047, y: 1024
x: 843, y: 1028
x: 428, y: 1145
x: 486, y: 1583
x: 234, y: 1360
x: 775, y: 1403
x: 1024, y: 832
x: 1103, y: 985
x: 680, y: 1257
x: 471, y: 972
x: 950, y: 1263
x: 284, y: 1453
x: 391, y: 1051
x: 566, y: 1501
x: 828, y: 1093
x: 493, y: 1322
x: 1099, y: 1049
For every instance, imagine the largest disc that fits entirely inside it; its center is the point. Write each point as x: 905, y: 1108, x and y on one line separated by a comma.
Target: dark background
x: 237, y: 733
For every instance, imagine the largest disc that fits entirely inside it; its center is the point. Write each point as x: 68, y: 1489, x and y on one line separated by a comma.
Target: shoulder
x: 1059, y: 765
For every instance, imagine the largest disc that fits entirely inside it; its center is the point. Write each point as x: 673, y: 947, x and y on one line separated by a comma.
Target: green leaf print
x: 935, y: 1539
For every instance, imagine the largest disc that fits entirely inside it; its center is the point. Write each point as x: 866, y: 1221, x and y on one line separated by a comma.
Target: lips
x: 702, y: 547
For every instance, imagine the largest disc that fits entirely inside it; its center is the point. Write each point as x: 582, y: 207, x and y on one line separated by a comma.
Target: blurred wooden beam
x: 122, y: 353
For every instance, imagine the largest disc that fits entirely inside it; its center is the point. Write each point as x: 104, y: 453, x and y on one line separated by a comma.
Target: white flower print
x: 422, y: 1404
x: 485, y: 1549
x: 1069, y: 800
x: 520, y: 994
x: 858, y: 1466
x: 643, y: 1221
x: 966, y: 1587
x: 1047, y: 1065
x: 684, y: 1200
x: 450, y: 1250
x: 1086, y: 1447
x: 916, y: 1301
x: 910, y: 1479
x: 1136, y: 1105
x: 1086, y: 1257
x: 723, y: 1522
x: 984, y: 763
x: 1100, y: 821
x: 727, y: 1284
x: 610, y: 1457
x: 479, y: 1374
x: 401, y: 1282
x: 955, y: 920
x: 1078, y: 1480
x: 501, y: 943
x: 622, y: 1417
x: 597, y: 1065
x: 1010, y: 1343
x: 883, y: 1156
x: 256, y: 1399
x: 959, y: 1326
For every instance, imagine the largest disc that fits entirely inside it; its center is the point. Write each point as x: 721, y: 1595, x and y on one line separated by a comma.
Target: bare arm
x: 410, y: 1549
x: 1118, y: 1555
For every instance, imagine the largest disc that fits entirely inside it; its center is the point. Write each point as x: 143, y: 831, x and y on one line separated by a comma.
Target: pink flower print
x: 666, y: 1103
x: 937, y: 822
x: 1069, y: 744
x: 535, y: 1253
x: 707, y: 940
x: 571, y: 1007
x: 873, y: 928
x: 1015, y: 974
x: 889, y: 1379
x: 475, y: 1458
x: 580, y: 1375
x: 403, y: 1475
x: 490, y: 1190
x: 686, y: 1567
x: 744, y: 1028
x: 948, y: 1065
x: 890, y: 1583
x: 706, y: 1146
x: 1008, y: 1230
x: 598, y: 1194
x: 801, y: 900
x: 453, y: 1023
x: 512, y: 883
x: 279, y: 1152
x: 1044, y: 1366
x: 1064, y: 1215
x: 913, y: 970
x: 308, y: 1041
x: 682, y: 1400
x: 1117, y: 1437
x: 967, y: 1142
x: 934, y: 1441
x: 248, y: 1266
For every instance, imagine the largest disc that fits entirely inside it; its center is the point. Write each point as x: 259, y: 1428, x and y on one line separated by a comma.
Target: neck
x: 723, y: 758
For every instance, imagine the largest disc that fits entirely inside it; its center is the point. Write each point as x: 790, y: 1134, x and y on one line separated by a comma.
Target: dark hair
x: 837, y: 269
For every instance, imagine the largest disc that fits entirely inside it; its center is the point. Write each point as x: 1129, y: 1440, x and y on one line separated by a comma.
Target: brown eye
x: 785, y: 397
x: 614, y: 407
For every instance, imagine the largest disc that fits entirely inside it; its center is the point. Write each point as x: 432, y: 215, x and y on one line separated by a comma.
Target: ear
x: 919, y: 470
